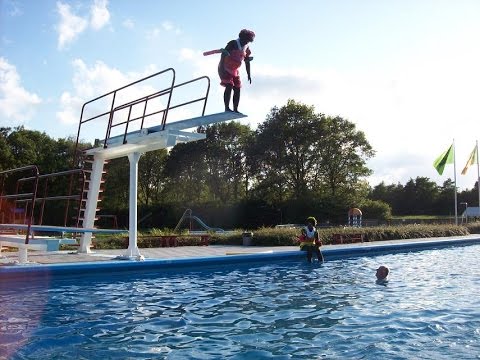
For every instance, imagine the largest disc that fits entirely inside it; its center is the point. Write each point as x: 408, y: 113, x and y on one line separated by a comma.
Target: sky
x: 406, y: 72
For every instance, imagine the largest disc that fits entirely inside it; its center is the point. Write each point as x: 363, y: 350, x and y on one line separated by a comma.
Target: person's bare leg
x: 227, y: 95
x: 236, y: 98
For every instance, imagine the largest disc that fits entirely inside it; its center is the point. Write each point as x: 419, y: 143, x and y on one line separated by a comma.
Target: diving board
x: 43, y: 243
x: 37, y: 243
x: 155, y: 137
x: 60, y: 229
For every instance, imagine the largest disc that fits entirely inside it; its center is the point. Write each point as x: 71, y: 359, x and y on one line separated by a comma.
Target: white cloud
x: 92, y: 81
x: 128, y: 23
x: 165, y: 26
x: 100, y: 16
x: 17, y: 105
x: 12, y: 8
x: 153, y: 33
x: 70, y: 26
x: 170, y: 27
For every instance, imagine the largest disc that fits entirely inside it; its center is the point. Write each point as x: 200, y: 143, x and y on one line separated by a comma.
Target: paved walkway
x: 57, y: 257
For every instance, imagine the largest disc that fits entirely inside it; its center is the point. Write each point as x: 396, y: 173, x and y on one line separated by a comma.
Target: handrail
x: 32, y: 195
x: 146, y: 99
x: 168, y: 91
x: 205, y: 98
x: 112, y: 106
x: 68, y: 197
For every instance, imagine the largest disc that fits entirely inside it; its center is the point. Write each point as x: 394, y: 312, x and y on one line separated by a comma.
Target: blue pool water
x: 289, y: 310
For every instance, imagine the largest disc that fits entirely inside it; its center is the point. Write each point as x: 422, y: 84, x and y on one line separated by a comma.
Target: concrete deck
x: 8, y: 259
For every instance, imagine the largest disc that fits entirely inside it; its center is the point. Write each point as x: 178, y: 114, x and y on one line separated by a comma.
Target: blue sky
x: 406, y: 72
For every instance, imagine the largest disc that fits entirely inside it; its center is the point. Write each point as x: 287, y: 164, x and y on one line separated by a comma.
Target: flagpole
x: 478, y: 179
x: 455, y: 182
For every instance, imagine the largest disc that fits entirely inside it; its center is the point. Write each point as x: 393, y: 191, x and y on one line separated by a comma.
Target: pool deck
x: 211, y: 253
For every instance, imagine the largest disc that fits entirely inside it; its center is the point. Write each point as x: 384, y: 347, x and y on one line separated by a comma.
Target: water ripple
x: 290, y: 310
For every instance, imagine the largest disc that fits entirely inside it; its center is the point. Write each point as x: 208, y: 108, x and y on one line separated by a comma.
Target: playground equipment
x: 132, y: 125
x: 187, y: 215
x: 354, y: 217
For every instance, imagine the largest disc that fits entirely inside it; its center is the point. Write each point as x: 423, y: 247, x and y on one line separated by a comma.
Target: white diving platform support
x: 138, y: 143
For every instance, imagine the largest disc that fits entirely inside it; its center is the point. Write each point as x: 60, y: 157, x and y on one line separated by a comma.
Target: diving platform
x: 133, y: 145
x: 159, y: 137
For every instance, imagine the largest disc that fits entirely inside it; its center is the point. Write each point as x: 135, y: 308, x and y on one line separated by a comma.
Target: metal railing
x: 18, y: 196
x: 27, y: 200
x: 113, y: 108
x: 163, y: 111
x: 43, y: 181
x: 109, y: 112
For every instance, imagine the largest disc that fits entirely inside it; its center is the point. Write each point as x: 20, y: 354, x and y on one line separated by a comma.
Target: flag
x: 471, y: 160
x: 444, y: 159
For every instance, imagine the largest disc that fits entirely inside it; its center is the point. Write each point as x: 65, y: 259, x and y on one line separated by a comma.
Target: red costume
x: 228, y: 68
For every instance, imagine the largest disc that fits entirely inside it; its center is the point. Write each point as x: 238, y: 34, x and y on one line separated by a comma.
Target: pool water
x: 429, y: 309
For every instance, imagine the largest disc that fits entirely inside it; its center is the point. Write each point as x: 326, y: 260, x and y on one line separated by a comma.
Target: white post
x: 132, y: 251
x: 455, y: 182
x: 478, y: 178
x: 22, y: 254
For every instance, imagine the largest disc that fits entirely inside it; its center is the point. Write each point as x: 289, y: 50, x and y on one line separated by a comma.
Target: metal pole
x: 132, y: 251
x: 455, y: 182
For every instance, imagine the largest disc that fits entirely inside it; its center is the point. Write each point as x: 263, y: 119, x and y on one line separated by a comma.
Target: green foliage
x: 422, y: 196
x: 289, y: 237
x: 376, y: 209
x: 151, y: 179
x: 300, y: 153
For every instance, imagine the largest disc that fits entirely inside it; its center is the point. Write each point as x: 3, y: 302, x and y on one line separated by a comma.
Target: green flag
x: 444, y: 159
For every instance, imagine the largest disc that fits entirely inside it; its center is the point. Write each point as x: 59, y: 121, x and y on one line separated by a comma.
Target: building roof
x: 471, y: 211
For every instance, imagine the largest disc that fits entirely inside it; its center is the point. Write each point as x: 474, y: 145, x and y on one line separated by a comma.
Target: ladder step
x: 82, y: 218
x: 88, y: 181
x: 96, y: 210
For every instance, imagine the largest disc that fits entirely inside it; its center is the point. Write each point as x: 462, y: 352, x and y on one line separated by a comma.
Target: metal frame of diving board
x: 134, y: 144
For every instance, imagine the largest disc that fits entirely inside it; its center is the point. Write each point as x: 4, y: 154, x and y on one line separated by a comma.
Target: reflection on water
x: 285, y: 310
x: 22, y: 304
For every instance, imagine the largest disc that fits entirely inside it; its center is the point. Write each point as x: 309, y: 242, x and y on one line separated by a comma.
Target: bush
x: 288, y: 236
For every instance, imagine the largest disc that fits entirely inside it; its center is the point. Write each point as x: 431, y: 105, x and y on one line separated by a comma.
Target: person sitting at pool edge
x: 382, y: 273
x: 309, y: 240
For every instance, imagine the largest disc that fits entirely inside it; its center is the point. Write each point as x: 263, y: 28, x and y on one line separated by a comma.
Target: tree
x: 226, y: 160
x: 301, y: 153
x: 287, y: 152
x: 343, y: 153
x: 6, y: 156
x: 390, y: 194
x: 445, y: 202
x: 117, y: 184
x: 186, y: 173
x: 151, y: 177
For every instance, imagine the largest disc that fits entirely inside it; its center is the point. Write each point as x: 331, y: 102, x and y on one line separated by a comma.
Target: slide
x: 205, y: 226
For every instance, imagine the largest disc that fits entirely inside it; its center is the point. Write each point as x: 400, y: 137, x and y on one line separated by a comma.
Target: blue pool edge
x: 341, y: 252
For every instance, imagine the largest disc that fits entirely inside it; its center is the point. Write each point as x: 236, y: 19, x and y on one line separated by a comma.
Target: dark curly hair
x: 247, y: 35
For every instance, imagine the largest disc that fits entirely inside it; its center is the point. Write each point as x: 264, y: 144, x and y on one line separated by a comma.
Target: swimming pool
x: 290, y: 309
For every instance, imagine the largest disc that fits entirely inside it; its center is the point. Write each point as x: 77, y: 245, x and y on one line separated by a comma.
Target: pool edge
x: 364, y: 249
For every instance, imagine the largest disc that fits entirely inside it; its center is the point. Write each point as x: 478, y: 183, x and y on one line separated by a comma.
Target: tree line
x: 296, y: 163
